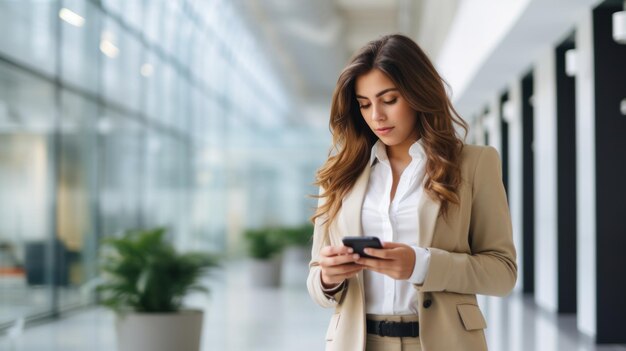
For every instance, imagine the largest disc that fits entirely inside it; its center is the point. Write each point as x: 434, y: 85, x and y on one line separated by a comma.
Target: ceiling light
x: 107, y: 47
x: 619, y: 27
x: 71, y: 17
x: 147, y: 70
x: 508, y: 111
x: 571, y: 66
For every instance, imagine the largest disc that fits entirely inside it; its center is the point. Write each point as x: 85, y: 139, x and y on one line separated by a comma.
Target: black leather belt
x: 397, y: 329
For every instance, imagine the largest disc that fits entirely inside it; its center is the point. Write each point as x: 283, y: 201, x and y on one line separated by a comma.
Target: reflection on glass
x: 25, y: 225
x: 31, y: 26
x: 76, y: 195
x: 120, y: 138
x: 79, y: 49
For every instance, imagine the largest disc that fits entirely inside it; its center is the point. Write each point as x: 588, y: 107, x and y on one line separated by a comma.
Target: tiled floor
x: 239, y: 317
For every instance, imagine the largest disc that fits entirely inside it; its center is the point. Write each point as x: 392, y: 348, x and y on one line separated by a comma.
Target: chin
x: 389, y: 142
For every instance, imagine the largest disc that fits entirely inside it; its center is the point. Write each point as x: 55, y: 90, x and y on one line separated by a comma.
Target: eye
x: 391, y: 102
x: 364, y: 106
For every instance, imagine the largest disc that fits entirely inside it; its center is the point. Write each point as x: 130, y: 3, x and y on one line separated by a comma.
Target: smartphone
x: 358, y: 243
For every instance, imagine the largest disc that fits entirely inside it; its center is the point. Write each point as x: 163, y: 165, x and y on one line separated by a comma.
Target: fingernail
x: 355, y: 256
x: 350, y: 250
x: 366, y: 251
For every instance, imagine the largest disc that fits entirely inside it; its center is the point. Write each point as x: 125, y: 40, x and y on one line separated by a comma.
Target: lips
x: 383, y: 131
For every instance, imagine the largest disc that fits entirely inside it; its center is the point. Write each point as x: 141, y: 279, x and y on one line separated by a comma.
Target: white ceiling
x: 311, y: 41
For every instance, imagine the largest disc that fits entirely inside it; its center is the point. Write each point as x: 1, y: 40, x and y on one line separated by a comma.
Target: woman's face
x: 385, y: 111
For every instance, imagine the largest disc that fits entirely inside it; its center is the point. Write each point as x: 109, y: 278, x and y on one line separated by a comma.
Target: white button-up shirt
x: 395, y: 221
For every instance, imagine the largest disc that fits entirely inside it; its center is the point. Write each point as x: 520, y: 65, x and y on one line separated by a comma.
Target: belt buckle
x: 381, y: 328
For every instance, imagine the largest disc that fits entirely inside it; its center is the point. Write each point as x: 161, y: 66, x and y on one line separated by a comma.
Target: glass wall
x: 27, y: 115
x: 117, y: 114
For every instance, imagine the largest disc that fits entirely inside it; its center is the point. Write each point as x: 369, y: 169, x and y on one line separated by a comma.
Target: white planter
x: 179, y: 331
x: 294, y: 255
x: 265, y: 273
x: 295, y: 266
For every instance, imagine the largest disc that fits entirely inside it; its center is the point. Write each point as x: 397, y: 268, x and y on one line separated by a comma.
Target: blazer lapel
x: 350, y: 213
x: 427, y: 214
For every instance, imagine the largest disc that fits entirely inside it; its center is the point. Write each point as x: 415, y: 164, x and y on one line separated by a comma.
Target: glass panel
x: 182, y: 114
x: 79, y: 48
x: 180, y: 173
x: 121, y: 66
x: 76, y: 193
x: 31, y: 25
x: 166, y: 184
x: 153, y: 75
x: 151, y: 195
x: 133, y: 11
x: 26, y: 116
x: 169, y: 98
x: 184, y: 44
x: 169, y: 33
x: 153, y: 21
x: 121, y: 170
x: 113, y: 6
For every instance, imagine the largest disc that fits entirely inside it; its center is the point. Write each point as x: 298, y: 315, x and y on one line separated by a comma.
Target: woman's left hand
x: 394, y: 260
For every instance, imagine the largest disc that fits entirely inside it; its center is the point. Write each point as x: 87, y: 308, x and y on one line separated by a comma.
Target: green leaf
x: 143, y: 272
x: 264, y: 243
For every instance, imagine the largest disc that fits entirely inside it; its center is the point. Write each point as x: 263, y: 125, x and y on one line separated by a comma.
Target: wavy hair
x: 413, y: 74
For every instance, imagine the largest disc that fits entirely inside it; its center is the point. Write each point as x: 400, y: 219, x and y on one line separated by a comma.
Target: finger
x: 335, y: 250
x: 338, y: 260
x: 372, y: 262
x: 379, y: 253
x: 350, y: 274
x: 392, y: 245
x: 337, y: 271
x: 336, y: 277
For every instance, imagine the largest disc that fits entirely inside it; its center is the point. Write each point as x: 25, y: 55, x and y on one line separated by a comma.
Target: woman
x: 400, y: 172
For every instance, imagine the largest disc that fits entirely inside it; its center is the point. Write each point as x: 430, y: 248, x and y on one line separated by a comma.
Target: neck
x: 400, y: 151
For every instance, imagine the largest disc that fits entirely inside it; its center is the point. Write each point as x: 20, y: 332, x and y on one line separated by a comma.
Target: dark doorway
x: 566, y: 180
x: 528, y: 186
x: 610, y: 171
x: 504, y: 131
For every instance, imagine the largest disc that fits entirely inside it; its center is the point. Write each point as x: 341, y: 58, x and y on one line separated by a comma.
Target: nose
x: 377, y: 113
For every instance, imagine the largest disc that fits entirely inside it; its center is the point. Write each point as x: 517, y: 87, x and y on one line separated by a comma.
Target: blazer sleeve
x: 314, y: 280
x: 491, y: 268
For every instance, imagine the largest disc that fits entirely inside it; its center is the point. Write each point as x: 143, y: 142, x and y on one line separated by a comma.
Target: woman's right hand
x: 337, y: 263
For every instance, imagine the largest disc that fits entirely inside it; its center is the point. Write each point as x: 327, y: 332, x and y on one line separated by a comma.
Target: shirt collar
x: 379, y: 152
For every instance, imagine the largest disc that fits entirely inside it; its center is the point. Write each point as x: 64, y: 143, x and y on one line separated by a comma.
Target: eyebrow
x: 379, y: 94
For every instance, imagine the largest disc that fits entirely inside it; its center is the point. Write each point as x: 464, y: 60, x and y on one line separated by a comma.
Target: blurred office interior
x: 210, y: 117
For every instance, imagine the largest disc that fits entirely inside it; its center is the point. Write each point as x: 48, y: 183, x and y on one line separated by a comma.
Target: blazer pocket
x: 332, y: 326
x: 471, y: 316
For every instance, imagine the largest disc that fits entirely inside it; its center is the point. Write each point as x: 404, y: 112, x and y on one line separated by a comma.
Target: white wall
x: 491, y: 42
x: 492, y: 124
x: 545, y: 182
x: 513, y: 116
x: 585, y: 180
x: 475, y: 32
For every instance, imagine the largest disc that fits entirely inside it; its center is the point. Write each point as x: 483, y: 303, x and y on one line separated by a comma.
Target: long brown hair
x: 408, y: 67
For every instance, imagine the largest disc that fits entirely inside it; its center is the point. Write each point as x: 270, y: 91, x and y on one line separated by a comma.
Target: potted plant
x: 145, y: 280
x: 297, y: 253
x: 298, y: 241
x: 264, y: 247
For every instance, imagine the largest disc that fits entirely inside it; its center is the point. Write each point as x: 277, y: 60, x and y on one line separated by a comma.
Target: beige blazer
x: 471, y: 251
